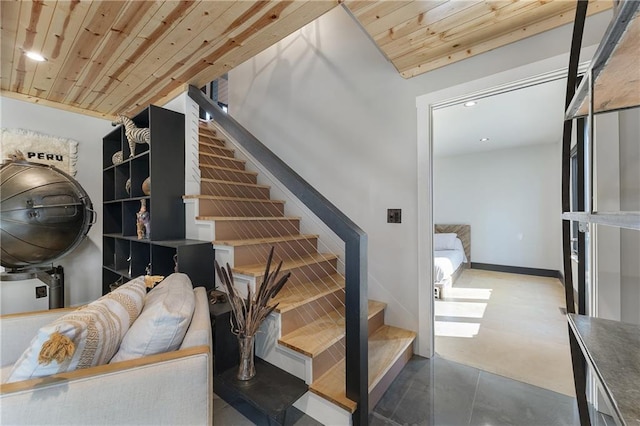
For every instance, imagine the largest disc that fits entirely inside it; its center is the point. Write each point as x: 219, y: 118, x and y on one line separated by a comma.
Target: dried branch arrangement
x: 249, y: 312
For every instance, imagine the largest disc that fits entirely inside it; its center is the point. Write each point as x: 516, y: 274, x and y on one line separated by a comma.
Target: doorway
x: 428, y: 107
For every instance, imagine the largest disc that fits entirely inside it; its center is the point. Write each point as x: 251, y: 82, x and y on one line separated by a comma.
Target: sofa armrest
x: 17, y: 331
x: 170, y: 388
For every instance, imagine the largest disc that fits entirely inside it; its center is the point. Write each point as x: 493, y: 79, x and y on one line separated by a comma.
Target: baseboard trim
x: 518, y: 270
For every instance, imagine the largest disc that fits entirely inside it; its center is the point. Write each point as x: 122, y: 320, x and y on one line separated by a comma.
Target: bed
x: 451, y: 255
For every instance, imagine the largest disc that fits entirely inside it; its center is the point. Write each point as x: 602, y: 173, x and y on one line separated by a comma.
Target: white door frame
x: 506, y: 81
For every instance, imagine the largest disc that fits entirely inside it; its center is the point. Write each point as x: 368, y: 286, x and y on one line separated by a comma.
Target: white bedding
x: 446, y: 262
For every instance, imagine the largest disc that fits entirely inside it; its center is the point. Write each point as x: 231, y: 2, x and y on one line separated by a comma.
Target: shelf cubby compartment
x: 193, y: 257
x: 139, y: 172
x: 112, y: 218
x: 109, y: 277
x: 122, y: 253
x: 120, y: 181
x: 109, y: 184
x: 140, y: 258
x: 111, y: 144
x: 129, y: 210
x: 109, y: 252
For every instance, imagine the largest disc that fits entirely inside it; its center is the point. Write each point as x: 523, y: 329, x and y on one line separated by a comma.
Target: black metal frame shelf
x: 125, y: 256
x: 628, y: 220
x: 612, y: 350
x: 624, y: 13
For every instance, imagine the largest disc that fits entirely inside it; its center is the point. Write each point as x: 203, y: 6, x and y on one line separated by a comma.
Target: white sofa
x: 172, y: 388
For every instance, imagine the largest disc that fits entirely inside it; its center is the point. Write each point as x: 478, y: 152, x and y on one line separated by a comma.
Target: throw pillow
x: 444, y: 241
x: 163, y: 322
x: 83, y: 338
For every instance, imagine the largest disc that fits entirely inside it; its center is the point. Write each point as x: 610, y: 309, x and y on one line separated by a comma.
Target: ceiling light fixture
x: 484, y: 139
x: 470, y: 103
x: 35, y: 56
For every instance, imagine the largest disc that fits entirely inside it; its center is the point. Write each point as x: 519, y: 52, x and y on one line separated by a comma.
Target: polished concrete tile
x: 441, y: 392
x: 438, y: 392
x: 503, y: 401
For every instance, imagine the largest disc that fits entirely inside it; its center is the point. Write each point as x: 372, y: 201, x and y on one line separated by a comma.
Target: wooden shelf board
x: 628, y: 220
x: 612, y: 349
x: 615, y: 67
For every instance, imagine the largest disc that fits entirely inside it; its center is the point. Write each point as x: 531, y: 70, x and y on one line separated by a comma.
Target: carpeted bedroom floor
x: 508, y: 324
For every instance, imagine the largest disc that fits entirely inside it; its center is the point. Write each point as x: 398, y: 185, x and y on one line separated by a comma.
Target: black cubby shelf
x: 125, y: 256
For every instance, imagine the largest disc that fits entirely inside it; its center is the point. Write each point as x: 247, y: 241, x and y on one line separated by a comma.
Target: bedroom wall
x: 83, y: 266
x: 329, y: 104
x: 510, y: 197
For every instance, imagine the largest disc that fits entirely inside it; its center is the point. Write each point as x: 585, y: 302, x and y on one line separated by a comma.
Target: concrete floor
x: 508, y: 324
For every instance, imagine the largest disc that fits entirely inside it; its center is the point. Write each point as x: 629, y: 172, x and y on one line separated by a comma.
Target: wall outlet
x: 41, y: 291
x: 394, y: 216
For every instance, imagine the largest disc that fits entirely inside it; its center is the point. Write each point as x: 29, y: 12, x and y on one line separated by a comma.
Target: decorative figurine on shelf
x: 146, y: 186
x: 143, y: 221
x: 133, y: 133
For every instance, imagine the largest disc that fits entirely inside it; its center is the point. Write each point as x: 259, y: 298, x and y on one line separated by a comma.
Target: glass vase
x: 246, y: 369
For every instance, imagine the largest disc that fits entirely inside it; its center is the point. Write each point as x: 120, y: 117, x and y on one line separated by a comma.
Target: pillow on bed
x: 444, y: 241
x: 458, y: 246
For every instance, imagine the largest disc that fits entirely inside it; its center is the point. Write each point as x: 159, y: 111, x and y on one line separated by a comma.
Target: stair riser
x: 249, y: 255
x: 328, y: 358
x: 231, y: 208
x: 376, y: 393
x: 311, y: 311
x: 229, y: 175
x: 215, y: 150
x: 307, y: 273
x: 230, y: 163
x: 232, y: 190
x: 235, y: 230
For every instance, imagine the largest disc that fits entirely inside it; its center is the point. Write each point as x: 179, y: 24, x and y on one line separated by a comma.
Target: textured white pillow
x: 444, y: 241
x: 163, y: 322
x: 83, y: 338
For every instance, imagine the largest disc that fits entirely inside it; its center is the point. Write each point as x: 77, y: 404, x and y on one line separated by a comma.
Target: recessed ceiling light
x: 484, y: 139
x: 470, y: 103
x: 35, y: 56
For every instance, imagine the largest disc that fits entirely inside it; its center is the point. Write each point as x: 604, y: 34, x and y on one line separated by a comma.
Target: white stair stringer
x: 195, y: 229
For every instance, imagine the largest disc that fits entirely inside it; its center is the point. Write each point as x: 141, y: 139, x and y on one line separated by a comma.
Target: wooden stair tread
x: 234, y: 183
x: 253, y: 241
x: 294, y: 295
x: 227, y: 169
x: 215, y: 145
x: 222, y: 157
x: 320, y: 334
x: 248, y: 218
x: 238, y: 199
x: 257, y: 270
x: 386, y: 345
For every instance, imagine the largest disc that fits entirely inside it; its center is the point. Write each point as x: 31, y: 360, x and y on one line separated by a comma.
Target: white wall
x: 512, y: 200
x: 327, y: 102
x: 83, y: 266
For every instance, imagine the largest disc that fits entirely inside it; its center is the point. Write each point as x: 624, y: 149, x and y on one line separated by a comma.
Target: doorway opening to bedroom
x: 497, y: 243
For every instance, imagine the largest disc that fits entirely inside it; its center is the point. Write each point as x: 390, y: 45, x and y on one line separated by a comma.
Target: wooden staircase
x: 311, y: 305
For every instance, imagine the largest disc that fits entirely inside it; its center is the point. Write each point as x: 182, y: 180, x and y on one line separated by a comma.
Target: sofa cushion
x: 83, y: 338
x: 163, y: 322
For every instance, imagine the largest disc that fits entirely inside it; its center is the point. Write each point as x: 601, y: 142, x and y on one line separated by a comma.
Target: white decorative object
x: 40, y: 148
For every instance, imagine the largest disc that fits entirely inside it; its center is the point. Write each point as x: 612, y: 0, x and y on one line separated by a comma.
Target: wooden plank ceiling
x: 111, y: 57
